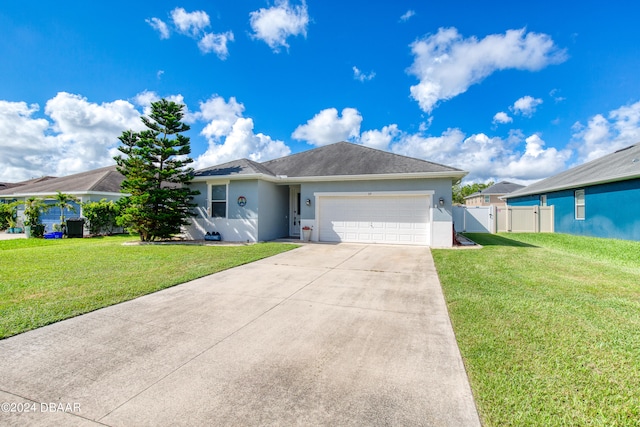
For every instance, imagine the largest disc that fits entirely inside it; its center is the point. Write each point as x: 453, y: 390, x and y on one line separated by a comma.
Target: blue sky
x: 503, y: 90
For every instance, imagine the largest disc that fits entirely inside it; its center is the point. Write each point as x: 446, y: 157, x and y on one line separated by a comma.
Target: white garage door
x: 375, y: 219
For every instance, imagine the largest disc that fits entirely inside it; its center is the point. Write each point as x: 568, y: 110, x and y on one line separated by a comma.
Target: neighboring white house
x: 94, y: 185
x: 344, y: 192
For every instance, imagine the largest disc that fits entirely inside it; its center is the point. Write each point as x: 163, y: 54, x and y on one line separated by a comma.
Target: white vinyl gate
x: 525, y: 219
x: 498, y: 219
x: 474, y: 219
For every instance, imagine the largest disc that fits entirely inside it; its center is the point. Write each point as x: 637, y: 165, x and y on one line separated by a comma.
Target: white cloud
x: 605, y: 135
x: 476, y: 154
x: 448, y: 64
x: 144, y: 100
x: 424, y: 126
x: 554, y: 94
x: 193, y: 25
x: 190, y: 23
x: 526, y: 105
x: 217, y: 43
x: 407, y: 15
x: 80, y: 136
x: 231, y: 136
x: 160, y: 26
x: 484, y: 157
x: 380, y: 139
x: 220, y: 115
x: 88, y: 132
x: 537, y: 162
x: 502, y: 117
x: 327, y: 127
x: 276, y: 24
x: 363, y: 77
x: 26, y: 151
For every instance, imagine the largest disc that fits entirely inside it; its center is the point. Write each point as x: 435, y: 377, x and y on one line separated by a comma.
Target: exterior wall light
x: 307, y: 202
x: 441, y: 201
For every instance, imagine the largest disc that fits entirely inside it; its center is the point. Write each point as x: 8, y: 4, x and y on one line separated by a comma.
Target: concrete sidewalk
x: 12, y: 236
x: 321, y: 335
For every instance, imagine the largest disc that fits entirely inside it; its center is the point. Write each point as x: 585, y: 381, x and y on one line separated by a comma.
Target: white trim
x: 577, y: 205
x: 210, y: 198
x: 376, y: 177
x: 283, y: 179
x: 239, y: 177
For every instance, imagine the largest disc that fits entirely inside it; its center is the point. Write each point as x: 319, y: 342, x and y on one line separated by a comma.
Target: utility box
x: 75, y: 227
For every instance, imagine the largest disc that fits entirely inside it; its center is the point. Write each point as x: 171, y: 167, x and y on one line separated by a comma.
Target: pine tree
x: 155, y: 168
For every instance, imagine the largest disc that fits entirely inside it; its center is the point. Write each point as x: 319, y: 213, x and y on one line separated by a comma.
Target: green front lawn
x: 44, y: 281
x: 549, y: 327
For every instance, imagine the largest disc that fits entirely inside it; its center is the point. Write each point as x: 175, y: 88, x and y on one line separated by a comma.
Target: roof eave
x: 237, y: 177
x: 569, y: 187
x: 325, y: 178
x: 72, y: 193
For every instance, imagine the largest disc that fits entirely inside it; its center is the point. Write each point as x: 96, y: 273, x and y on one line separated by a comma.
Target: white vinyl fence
x: 474, y: 219
x: 492, y: 219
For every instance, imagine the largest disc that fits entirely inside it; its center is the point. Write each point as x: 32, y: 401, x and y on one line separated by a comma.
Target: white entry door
x: 397, y: 219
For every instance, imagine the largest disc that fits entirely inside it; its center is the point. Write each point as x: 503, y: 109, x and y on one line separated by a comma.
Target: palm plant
x: 8, y: 214
x: 33, y: 207
x: 63, y: 201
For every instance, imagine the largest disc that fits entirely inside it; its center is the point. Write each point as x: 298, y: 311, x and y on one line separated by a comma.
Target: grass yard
x: 549, y: 327
x: 44, y: 281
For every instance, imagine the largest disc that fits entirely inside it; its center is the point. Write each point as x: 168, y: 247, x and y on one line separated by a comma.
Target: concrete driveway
x: 321, y: 335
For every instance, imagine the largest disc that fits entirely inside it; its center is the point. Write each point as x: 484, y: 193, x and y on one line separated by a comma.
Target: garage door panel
x: 374, y: 219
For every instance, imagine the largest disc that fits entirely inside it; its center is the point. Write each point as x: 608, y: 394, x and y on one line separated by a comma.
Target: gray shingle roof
x: 618, y: 166
x: 105, y: 180
x: 339, y: 159
x: 344, y: 158
x: 236, y: 167
x: 502, y: 187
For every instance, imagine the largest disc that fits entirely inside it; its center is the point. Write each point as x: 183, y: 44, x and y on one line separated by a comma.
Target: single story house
x: 491, y: 196
x: 600, y: 198
x: 343, y: 192
x: 94, y: 185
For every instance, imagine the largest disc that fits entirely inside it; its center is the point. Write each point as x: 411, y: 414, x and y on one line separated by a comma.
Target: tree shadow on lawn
x: 495, y: 240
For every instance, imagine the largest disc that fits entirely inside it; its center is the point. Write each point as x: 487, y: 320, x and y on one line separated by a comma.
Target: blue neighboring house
x: 600, y: 198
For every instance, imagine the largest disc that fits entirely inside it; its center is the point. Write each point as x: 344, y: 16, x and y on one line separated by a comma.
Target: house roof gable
x: 618, y: 166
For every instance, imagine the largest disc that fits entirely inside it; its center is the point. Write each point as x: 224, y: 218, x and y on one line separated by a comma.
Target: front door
x: 294, y: 210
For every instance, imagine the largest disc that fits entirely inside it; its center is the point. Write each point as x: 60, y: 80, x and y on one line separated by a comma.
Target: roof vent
x: 636, y: 160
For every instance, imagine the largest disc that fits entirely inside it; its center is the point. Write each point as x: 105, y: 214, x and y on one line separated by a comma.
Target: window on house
x: 487, y: 199
x: 219, y: 201
x: 543, y: 200
x: 580, y: 211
